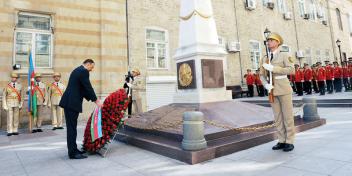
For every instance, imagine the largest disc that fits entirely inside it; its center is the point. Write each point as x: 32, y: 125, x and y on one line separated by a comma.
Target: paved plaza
x: 324, y: 151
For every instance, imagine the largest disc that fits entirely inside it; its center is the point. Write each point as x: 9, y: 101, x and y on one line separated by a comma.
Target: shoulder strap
x: 15, y: 90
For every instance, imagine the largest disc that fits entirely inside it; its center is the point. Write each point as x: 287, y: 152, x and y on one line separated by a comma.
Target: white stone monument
x: 200, y: 58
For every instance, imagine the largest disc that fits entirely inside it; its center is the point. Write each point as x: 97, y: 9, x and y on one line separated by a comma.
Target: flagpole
x: 29, y: 94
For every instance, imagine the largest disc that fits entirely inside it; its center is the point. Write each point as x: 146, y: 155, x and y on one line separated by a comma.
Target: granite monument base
x: 160, y: 130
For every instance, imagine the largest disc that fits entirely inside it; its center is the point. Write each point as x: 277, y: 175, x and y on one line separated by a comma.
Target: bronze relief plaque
x: 186, y: 75
x: 212, y: 73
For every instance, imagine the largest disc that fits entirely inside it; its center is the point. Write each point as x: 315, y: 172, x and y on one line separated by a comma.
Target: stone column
x: 193, y: 131
x: 310, y: 110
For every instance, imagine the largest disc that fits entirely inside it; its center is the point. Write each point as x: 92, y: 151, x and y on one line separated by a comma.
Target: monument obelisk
x: 200, y: 58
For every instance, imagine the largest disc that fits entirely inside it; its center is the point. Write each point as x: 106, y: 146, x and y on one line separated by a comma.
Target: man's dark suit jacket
x: 78, y: 87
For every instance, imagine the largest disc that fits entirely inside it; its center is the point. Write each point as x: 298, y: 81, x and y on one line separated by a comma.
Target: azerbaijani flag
x: 32, y: 107
x: 95, y: 126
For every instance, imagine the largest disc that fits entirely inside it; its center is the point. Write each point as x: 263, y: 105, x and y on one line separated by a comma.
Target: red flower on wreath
x: 112, y: 112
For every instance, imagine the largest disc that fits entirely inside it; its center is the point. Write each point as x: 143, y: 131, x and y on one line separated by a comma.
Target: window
x: 254, y: 54
x: 222, y: 42
x: 33, y: 31
x: 282, y: 6
x: 318, y: 55
x: 308, y: 56
x: 339, y: 20
x: 327, y: 54
x: 265, y: 2
x: 285, y: 48
x: 313, y: 10
x: 302, y: 7
x: 156, y: 47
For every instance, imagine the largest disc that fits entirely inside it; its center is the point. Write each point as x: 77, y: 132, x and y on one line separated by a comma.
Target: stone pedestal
x: 200, y: 58
x: 310, y: 110
x: 193, y: 131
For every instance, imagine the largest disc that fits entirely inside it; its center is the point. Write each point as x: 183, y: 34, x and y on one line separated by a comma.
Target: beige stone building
x: 306, y: 26
x: 341, y: 27
x: 62, y: 33
x: 124, y: 34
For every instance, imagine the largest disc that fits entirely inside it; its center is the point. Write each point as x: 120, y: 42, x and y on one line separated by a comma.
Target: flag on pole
x: 95, y: 126
x: 31, y: 98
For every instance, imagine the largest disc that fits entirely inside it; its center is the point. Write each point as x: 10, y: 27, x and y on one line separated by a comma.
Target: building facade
x: 125, y: 34
x: 61, y: 35
x: 308, y: 28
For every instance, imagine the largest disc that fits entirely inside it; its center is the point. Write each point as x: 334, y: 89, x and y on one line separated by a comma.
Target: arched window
x: 339, y: 20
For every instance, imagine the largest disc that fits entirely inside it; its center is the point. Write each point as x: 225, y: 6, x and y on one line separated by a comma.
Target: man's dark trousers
x: 71, y: 125
x: 321, y: 87
x: 329, y: 85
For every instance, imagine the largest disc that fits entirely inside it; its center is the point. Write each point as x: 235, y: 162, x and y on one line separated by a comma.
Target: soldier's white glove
x: 333, y: 78
x: 268, y: 87
x: 6, y: 108
x: 129, y: 84
x: 268, y: 67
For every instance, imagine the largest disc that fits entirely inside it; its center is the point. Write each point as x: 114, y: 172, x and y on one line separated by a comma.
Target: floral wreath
x: 112, y: 114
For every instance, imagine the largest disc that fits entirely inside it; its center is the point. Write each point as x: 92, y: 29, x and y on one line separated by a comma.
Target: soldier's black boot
x: 9, y: 134
x: 279, y: 146
x: 288, y: 147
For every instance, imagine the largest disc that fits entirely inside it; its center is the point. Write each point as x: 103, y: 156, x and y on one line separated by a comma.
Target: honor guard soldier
x: 250, y: 79
x: 128, y: 87
x: 329, y: 74
x: 321, y: 77
x: 338, y: 77
x: 299, y: 79
x: 345, y: 76
x: 12, y: 101
x: 55, y: 92
x: 40, y: 90
x: 308, y: 76
x: 281, y: 65
x: 314, y: 80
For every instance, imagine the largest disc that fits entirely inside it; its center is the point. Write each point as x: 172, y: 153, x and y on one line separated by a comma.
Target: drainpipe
x: 238, y: 38
x: 127, y: 37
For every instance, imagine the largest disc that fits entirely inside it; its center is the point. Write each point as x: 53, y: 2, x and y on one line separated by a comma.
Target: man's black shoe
x: 60, y: 128
x: 54, y: 128
x: 34, y: 131
x: 15, y: 133
x: 9, y: 134
x: 39, y: 130
x: 80, y: 151
x: 288, y: 147
x: 279, y: 146
x: 77, y: 156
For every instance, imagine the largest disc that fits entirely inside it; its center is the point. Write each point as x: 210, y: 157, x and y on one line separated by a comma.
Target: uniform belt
x: 11, y: 97
x: 281, y: 77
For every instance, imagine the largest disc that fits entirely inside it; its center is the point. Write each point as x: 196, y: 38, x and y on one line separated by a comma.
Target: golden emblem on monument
x: 185, y: 75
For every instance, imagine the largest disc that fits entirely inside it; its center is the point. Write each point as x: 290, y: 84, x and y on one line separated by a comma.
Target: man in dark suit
x: 78, y: 87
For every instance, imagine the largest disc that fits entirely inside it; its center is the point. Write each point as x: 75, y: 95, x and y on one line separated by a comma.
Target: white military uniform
x: 12, y: 101
x: 41, y: 91
x: 55, y: 92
